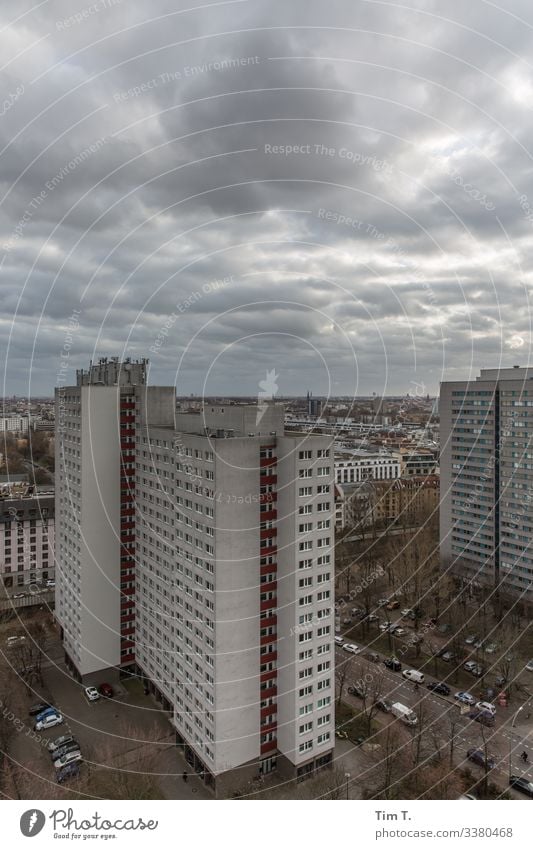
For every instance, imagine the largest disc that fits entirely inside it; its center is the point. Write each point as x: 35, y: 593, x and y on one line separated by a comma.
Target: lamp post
x: 511, y: 735
x: 347, y: 777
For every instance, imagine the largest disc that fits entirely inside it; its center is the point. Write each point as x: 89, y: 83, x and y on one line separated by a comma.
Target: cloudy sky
x: 339, y: 191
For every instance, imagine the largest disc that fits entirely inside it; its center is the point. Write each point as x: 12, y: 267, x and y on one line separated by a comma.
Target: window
x: 305, y: 473
x: 305, y: 728
x: 304, y: 491
x: 305, y: 455
x: 304, y: 747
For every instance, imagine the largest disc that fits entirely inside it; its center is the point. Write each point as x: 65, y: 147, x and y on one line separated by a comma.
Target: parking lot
x: 126, y: 737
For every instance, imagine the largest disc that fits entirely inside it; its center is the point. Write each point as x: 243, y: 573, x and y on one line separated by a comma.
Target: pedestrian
x: 524, y: 756
x: 185, y: 776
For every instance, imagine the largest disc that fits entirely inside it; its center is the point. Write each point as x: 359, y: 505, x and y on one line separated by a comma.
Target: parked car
x: 500, y: 680
x: 48, y: 721
x: 478, y: 671
x: 69, y: 771
x: 405, y: 612
x: 92, y: 694
x: 439, y: 687
x: 72, y: 757
x: 465, y: 698
x: 373, y: 617
x: 479, y: 644
x: 38, y: 708
x: 413, y: 675
x: 351, y: 648
x: 491, y: 648
x: 482, y: 716
x: 372, y: 656
x: 393, y: 663
x: 529, y: 666
x: 50, y: 584
x: 385, y: 626
x: 397, y: 631
x: 65, y: 750
x: 346, y: 621
x: 56, y: 744
x: 382, y: 602
x: 488, y: 706
x: 471, y: 640
x: 477, y: 756
x: 448, y: 656
x: 355, y: 690
x: 521, y: 784
x: 393, y: 605
x: 339, y: 641
x: 384, y: 705
x: 357, y: 611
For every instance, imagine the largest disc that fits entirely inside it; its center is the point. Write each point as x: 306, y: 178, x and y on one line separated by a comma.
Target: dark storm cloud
x: 363, y: 168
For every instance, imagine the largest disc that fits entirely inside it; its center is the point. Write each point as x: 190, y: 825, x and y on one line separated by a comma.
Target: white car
x: 486, y: 706
x: 92, y: 694
x: 69, y: 758
x: 465, y: 698
x: 529, y: 666
x: 351, y: 648
x: 48, y: 721
x: 15, y: 641
x: 339, y: 641
x: 413, y: 675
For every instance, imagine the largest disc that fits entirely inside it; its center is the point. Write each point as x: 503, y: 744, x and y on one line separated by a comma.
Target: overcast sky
x: 341, y: 192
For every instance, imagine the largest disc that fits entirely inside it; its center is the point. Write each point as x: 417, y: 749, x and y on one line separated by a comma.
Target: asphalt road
x: 467, y: 732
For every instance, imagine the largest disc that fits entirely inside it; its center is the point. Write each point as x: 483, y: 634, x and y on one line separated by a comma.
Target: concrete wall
x: 237, y: 602
x: 100, y: 504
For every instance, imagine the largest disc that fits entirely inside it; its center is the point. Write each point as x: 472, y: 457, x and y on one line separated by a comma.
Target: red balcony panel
x: 129, y: 658
x: 271, y: 587
x: 128, y: 498
x: 269, y: 694
x: 267, y: 480
x: 130, y: 617
x: 127, y: 551
x: 268, y: 515
x: 268, y: 638
x: 267, y: 604
x: 126, y: 577
x: 268, y: 658
x: 273, y: 549
x: 268, y: 747
x: 127, y: 405
x: 268, y: 710
x: 128, y: 590
x: 268, y: 568
x: 127, y: 630
x: 126, y: 644
x: 272, y: 620
x: 266, y: 676
x: 265, y: 462
x: 266, y: 533
x: 126, y: 417
x: 272, y: 726
x: 128, y: 458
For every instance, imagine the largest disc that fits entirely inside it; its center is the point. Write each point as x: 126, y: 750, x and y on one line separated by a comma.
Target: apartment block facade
x: 222, y: 599
x: 26, y: 540
x: 486, y: 515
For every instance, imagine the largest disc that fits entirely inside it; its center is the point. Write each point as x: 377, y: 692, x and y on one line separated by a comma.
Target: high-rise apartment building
x: 486, y: 517
x: 96, y: 423
x: 230, y: 583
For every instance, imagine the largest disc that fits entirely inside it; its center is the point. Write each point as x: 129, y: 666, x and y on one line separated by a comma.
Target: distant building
x: 26, y: 537
x: 358, y: 465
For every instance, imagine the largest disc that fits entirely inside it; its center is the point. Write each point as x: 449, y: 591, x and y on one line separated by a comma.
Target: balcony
x: 269, y: 747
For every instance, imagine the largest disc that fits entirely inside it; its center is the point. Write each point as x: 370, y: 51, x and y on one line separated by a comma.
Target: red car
x: 106, y: 690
